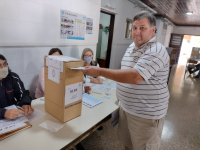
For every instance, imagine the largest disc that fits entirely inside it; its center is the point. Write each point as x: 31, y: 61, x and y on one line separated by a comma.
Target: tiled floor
x: 182, y: 123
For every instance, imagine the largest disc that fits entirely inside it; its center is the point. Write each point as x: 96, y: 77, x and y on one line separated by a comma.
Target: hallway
x: 182, y: 123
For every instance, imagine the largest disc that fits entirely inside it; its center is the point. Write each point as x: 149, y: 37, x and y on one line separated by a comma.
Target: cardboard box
x: 59, y: 102
x: 195, y: 53
x: 173, y: 54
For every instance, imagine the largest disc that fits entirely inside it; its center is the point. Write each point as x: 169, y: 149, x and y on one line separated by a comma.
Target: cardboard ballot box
x: 63, y: 87
x: 195, y: 53
x: 173, y: 54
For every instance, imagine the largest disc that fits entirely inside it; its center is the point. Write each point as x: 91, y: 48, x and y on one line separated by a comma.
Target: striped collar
x: 132, y: 48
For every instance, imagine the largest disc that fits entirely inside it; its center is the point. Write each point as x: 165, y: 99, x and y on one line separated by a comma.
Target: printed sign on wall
x: 89, y: 26
x: 72, y: 25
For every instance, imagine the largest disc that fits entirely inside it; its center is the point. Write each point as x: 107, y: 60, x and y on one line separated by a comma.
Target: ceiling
x: 175, y: 11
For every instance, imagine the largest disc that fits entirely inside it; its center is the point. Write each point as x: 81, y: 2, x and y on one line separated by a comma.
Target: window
x: 128, y: 31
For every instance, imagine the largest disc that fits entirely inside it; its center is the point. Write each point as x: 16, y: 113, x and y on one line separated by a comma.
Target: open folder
x: 12, y: 132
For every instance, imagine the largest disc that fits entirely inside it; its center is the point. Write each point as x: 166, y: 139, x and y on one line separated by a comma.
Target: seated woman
x: 87, y: 56
x: 12, y: 92
x: 40, y: 85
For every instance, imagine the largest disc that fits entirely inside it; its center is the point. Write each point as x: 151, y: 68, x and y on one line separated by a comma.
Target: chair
x: 190, y: 64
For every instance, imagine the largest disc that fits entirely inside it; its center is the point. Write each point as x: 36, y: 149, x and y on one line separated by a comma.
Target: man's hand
x: 13, y: 113
x: 87, y: 89
x: 92, y: 71
x: 27, y: 109
x: 96, y: 80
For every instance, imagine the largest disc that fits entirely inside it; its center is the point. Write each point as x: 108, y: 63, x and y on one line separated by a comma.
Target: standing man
x: 142, y: 86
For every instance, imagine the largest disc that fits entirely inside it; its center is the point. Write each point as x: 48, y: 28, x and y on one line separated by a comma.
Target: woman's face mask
x: 3, y: 72
x: 87, y: 59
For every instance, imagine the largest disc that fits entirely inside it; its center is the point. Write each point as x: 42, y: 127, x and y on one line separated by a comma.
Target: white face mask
x: 3, y: 72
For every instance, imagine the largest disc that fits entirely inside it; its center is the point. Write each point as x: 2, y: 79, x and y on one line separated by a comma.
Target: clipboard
x: 12, y: 132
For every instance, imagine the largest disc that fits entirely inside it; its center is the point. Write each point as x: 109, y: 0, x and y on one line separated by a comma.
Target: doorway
x: 106, y: 27
x: 189, y: 41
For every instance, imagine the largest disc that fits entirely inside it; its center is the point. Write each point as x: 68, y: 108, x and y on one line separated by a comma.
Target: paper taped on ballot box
x: 73, y: 92
x: 55, y: 64
x: 54, y: 74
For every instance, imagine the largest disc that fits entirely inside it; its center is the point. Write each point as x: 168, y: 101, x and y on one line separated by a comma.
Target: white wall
x: 30, y: 28
x: 163, y: 36
x: 159, y: 25
x: 37, y: 22
x: 124, y: 9
x: 187, y: 30
x: 168, y: 35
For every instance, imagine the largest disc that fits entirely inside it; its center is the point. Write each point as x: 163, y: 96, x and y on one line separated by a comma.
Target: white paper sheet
x: 54, y: 74
x: 102, y: 87
x: 112, y: 84
x: 10, y: 127
x: 89, y: 84
x: 11, y: 124
x: 196, y: 48
x: 11, y: 107
x: 52, y: 126
x: 73, y: 92
x: 57, y: 61
x: 35, y: 115
x: 79, y: 68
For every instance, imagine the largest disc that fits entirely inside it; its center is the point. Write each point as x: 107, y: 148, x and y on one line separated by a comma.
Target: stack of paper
x: 12, y: 124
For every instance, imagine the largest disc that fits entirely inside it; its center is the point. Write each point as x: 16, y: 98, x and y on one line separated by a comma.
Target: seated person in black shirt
x: 197, y: 68
x: 12, y: 92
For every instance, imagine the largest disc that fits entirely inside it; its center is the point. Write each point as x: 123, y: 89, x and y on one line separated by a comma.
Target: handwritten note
x: 11, y: 124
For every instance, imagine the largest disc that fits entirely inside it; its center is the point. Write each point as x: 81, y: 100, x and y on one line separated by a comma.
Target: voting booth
x: 63, y: 87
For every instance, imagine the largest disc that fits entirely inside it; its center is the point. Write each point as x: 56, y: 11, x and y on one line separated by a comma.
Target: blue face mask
x: 87, y: 59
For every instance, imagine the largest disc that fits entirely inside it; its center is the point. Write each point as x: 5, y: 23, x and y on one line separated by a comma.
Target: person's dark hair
x: 53, y: 50
x: 148, y: 15
x: 3, y: 58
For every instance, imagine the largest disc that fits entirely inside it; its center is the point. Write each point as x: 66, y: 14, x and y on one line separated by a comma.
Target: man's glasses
x: 5, y: 64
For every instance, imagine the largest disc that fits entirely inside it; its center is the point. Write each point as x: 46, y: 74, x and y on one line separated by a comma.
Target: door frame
x: 110, y: 38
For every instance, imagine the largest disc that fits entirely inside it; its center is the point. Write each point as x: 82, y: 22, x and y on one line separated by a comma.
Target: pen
x: 18, y: 107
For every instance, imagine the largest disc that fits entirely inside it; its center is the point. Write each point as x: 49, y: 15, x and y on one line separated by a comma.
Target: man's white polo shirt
x: 148, y: 99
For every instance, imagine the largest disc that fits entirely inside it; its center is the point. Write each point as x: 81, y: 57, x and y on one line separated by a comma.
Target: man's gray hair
x: 148, y: 15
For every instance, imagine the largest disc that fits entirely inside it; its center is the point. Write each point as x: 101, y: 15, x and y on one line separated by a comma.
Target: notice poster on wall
x: 72, y: 25
x: 89, y: 25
